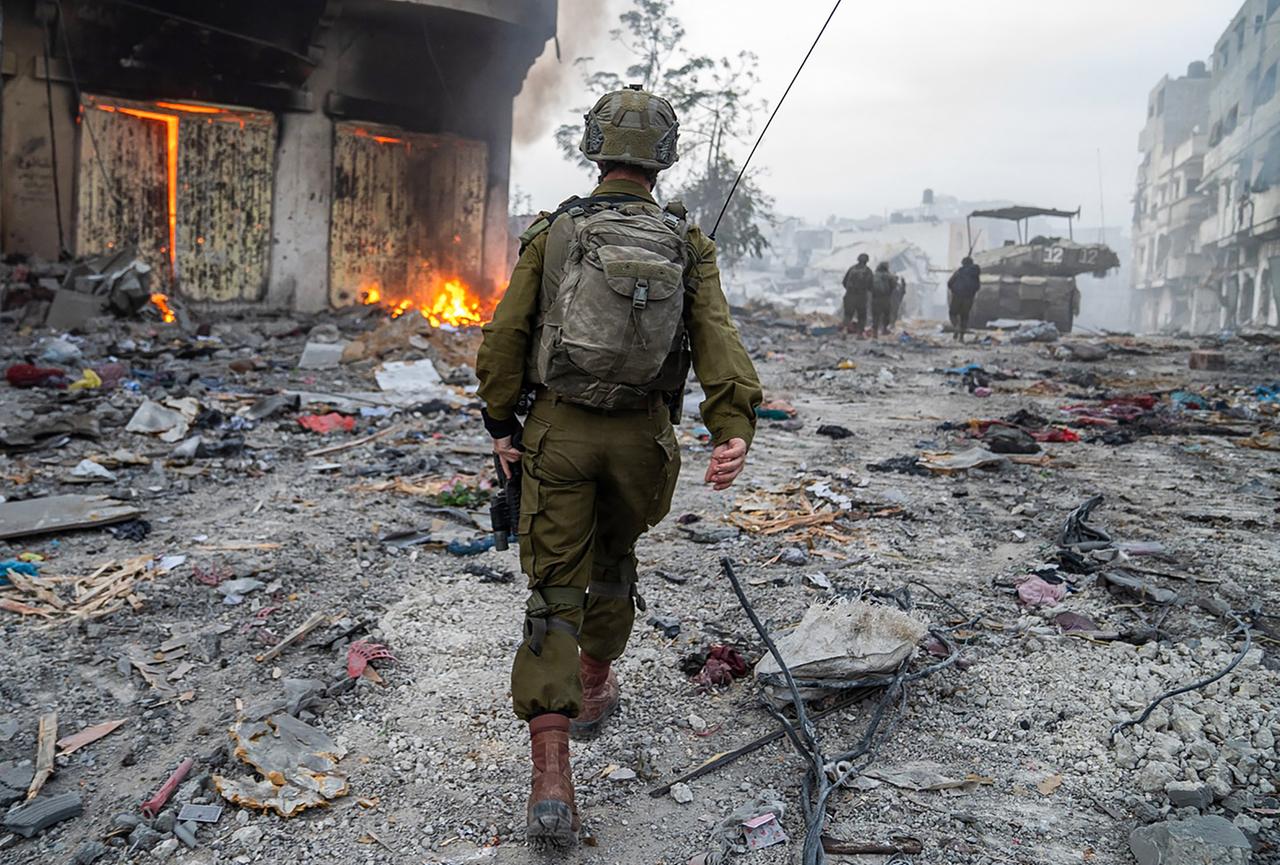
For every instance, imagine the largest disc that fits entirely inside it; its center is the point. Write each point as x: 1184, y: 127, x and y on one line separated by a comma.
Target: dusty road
x: 435, y: 761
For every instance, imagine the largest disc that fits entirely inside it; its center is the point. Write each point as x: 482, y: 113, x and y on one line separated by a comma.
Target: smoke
x: 580, y: 27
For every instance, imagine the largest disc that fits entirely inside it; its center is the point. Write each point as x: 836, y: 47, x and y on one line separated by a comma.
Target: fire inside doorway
x: 408, y: 223
x: 187, y: 184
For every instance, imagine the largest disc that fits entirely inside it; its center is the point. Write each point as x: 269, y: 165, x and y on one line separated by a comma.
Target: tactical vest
x: 616, y: 281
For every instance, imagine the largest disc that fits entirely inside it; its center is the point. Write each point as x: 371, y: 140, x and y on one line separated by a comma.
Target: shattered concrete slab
x: 298, y: 764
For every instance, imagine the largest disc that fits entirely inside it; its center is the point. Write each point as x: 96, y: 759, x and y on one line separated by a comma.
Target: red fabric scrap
x: 327, y: 423
x: 1056, y: 434
x: 111, y: 373
x: 1144, y: 401
x: 361, y: 652
x: 724, y: 664
x: 26, y: 375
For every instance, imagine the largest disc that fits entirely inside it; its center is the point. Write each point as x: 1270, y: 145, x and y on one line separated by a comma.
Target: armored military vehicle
x: 1035, y: 277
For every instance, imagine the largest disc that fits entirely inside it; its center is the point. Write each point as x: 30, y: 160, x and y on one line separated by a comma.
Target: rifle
x: 504, y: 507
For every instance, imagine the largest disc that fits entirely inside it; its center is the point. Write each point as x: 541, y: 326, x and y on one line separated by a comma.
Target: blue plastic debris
x: 1188, y: 401
x: 470, y: 548
x: 964, y: 370
x: 27, y: 569
x: 1268, y: 392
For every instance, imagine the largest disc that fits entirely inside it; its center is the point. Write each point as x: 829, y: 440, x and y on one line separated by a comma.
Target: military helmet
x: 863, y: 258
x: 884, y: 265
x: 633, y: 127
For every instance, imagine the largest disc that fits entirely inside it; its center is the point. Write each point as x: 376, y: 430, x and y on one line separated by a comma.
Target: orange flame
x: 381, y: 139
x: 447, y: 302
x: 161, y: 302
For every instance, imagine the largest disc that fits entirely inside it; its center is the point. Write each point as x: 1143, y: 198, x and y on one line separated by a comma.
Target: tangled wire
x: 820, y: 781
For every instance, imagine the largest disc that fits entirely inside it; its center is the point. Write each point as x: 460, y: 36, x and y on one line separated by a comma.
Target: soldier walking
x: 857, y: 288
x: 883, y: 286
x: 962, y: 288
x: 612, y: 300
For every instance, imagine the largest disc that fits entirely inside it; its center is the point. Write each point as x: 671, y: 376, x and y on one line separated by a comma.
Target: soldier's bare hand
x: 508, y: 454
x: 726, y: 464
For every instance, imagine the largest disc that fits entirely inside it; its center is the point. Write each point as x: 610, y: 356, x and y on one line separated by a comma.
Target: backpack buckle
x: 640, y: 296
x: 672, y: 221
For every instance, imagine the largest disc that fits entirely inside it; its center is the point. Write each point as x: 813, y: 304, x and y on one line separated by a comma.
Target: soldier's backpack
x: 858, y: 279
x: 610, y: 328
x: 884, y: 284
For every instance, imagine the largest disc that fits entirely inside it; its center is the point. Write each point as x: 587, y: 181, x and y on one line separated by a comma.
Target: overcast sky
x: 983, y: 99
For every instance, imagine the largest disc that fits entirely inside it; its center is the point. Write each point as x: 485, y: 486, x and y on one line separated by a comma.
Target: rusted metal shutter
x: 216, y: 208
x: 225, y: 169
x: 122, y: 188
x: 408, y: 208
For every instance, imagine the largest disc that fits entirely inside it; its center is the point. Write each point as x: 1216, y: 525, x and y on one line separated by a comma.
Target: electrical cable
x: 1244, y: 650
x: 53, y: 141
x: 773, y: 114
x: 816, y: 786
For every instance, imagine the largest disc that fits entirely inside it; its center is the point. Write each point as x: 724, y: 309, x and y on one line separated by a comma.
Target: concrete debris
x: 90, y: 852
x: 15, y: 778
x: 90, y: 470
x: 840, y: 641
x: 322, y: 355
x: 1208, y: 840
x: 170, y: 420
x: 410, y: 376
x: 43, y: 516
x: 298, y: 762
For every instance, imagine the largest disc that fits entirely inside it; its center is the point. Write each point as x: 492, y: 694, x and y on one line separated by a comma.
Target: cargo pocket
x: 535, y: 431
x: 666, y: 488
x: 530, y: 505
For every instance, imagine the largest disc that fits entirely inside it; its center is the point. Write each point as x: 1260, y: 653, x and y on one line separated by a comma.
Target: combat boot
x: 553, y: 814
x: 600, y: 696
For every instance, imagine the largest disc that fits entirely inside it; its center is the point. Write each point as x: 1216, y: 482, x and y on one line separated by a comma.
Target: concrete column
x: 496, y: 235
x: 30, y: 215
x: 302, y: 199
x: 300, y: 212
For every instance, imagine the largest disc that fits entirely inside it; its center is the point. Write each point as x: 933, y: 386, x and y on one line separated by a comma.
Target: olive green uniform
x: 595, y: 480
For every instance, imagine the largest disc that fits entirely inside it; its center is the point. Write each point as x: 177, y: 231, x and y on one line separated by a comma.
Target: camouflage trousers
x: 594, y: 481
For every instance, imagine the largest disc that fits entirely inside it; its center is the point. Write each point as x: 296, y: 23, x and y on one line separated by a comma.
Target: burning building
x: 304, y: 155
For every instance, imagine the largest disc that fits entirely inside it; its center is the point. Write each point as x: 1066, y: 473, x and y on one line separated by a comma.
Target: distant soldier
x: 962, y: 288
x: 857, y: 289
x: 883, y: 287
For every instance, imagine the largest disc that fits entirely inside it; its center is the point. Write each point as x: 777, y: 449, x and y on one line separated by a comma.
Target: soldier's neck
x: 630, y: 174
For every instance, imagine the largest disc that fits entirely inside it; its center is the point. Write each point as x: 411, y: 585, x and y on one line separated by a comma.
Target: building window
x: 1224, y: 55
x: 1240, y: 36
x: 1232, y: 118
x: 1267, y: 87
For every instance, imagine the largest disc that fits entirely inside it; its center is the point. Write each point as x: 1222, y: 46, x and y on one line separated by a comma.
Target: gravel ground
x: 437, y: 764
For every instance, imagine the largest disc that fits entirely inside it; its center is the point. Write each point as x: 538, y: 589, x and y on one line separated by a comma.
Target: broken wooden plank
x: 24, y: 609
x: 87, y: 736
x: 46, y: 738
x: 60, y: 513
x: 316, y: 620
x: 354, y: 443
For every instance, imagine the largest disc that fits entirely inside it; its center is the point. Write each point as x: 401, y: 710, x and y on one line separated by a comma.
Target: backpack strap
x: 575, y: 206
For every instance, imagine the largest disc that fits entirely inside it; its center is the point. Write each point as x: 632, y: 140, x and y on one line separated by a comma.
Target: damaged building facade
x: 1207, y: 205
x: 303, y: 155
